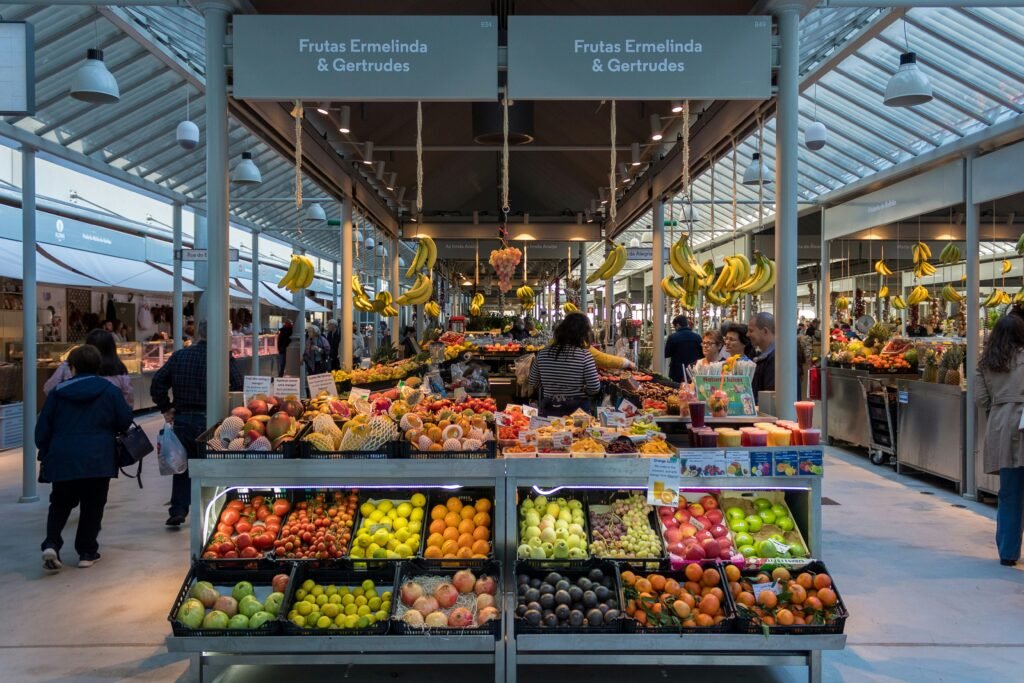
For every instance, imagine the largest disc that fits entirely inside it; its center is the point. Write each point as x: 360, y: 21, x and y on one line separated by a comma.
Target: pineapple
x: 930, y: 369
x: 951, y: 361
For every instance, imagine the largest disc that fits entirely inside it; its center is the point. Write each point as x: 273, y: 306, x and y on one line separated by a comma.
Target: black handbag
x: 132, y: 447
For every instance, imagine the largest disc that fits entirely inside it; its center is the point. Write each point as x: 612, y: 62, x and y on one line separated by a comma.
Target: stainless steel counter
x: 847, y: 410
x: 931, y: 429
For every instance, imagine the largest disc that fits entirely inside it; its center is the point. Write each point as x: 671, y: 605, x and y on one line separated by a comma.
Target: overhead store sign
x: 639, y: 58
x: 17, y: 68
x: 644, y: 254
x: 365, y: 58
x: 76, y: 234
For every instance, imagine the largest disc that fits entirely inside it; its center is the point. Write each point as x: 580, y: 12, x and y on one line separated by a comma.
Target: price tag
x: 771, y: 587
x: 903, y: 397
x: 500, y: 419
x: 781, y: 547
x: 358, y: 393
x: 286, y: 386
x: 737, y: 463
x: 530, y: 411
x: 459, y: 394
x: 704, y: 463
x: 538, y: 422
x: 613, y: 418
x: 626, y: 406
x: 663, y: 481
x: 321, y: 382
x: 527, y: 437
x: 561, y: 439
x: 253, y: 385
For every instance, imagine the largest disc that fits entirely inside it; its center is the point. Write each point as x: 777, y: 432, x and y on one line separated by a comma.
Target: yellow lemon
x: 404, y: 509
x: 416, y: 515
x: 385, y: 506
x: 418, y: 500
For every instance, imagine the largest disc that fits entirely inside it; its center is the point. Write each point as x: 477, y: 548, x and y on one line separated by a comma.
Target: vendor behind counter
x: 564, y: 373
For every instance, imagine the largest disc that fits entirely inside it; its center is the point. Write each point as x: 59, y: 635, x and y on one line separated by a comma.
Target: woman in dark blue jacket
x: 75, y: 435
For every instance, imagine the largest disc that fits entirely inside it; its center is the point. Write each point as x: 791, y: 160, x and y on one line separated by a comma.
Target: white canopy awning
x: 113, y: 271
x: 47, y: 271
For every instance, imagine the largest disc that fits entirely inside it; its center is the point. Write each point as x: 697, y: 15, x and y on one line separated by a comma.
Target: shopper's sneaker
x: 175, y: 521
x: 1008, y: 563
x: 88, y: 560
x: 51, y: 560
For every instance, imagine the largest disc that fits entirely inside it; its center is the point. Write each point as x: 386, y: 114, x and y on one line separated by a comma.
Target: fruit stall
x: 406, y: 528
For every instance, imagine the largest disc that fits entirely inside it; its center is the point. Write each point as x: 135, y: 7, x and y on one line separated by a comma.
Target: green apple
x: 532, y: 518
x: 784, y: 523
x: 762, y: 504
x: 780, y: 510
x: 754, y: 523
x: 241, y: 589
x: 260, y: 618
x: 249, y: 606
x: 797, y: 551
x: 741, y: 539
x: 523, y: 551
x: 537, y: 553
x: 239, y: 621
x: 734, y: 513
x: 767, y: 516
x: 748, y: 551
x: 777, y: 537
x: 215, y: 619
x: 767, y: 549
x: 739, y: 526
x: 191, y: 613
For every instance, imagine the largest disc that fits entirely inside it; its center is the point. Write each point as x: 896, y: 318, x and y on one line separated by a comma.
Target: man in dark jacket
x: 761, y: 330
x: 683, y: 348
x: 184, y: 375
x: 75, y: 435
x: 334, y: 339
x: 284, y: 338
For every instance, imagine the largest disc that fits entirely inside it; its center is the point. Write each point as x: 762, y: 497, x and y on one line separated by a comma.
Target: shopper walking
x: 284, y: 338
x: 711, y: 346
x: 564, y: 373
x: 358, y: 345
x: 737, y: 343
x: 683, y: 348
x: 1000, y: 387
x: 316, y: 352
x: 761, y: 330
x: 184, y: 377
x: 334, y: 341
x: 111, y: 367
x: 75, y: 435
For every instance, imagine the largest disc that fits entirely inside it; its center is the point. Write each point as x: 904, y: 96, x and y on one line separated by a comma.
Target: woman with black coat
x: 75, y: 435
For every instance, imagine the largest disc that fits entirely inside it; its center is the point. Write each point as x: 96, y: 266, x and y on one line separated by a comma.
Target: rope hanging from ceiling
x: 419, y: 158
x: 611, y: 173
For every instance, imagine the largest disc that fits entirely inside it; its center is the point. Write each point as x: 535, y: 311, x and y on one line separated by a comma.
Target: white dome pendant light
x: 908, y: 86
x: 93, y: 82
x: 187, y: 133
x: 815, y: 135
x: 757, y: 173
x: 316, y: 213
x: 246, y: 172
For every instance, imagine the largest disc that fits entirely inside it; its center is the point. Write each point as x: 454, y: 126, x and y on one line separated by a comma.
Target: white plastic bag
x: 170, y: 453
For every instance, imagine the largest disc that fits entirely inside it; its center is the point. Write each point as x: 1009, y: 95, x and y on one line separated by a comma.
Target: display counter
x: 931, y: 429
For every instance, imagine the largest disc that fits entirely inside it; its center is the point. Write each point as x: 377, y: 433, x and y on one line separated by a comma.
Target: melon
x: 411, y: 421
x: 451, y: 432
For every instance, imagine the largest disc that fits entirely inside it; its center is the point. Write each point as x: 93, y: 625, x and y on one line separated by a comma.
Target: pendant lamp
x: 93, y: 82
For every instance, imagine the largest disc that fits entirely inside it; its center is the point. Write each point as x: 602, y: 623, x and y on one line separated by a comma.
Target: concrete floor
x: 915, y: 563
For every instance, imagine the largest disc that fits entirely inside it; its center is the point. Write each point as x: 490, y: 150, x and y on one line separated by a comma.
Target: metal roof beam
x: 1002, y: 67
x: 127, y: 122
x: 140, y: 134
x: 888, y: 117
x: 876, y: 107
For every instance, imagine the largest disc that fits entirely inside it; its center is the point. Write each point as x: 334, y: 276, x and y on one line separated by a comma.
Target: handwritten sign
x: 286, y: 386
x: 663, y: 481
x: 253, y: 385
x: 739, y: 395
x: 321, y: 382
x: 561, y: 440
x: 358, y: 393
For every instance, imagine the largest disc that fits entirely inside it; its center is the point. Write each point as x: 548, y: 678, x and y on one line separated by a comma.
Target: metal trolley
x: 882, y: 405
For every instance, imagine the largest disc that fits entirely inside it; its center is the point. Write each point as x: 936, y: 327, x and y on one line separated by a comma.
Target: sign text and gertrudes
x: 366, y: 54
x: 630, y: 47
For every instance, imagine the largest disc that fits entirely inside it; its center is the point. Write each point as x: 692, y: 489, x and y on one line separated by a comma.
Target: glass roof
x: 974, y: 59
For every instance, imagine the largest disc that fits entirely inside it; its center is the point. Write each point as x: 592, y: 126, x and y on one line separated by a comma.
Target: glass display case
x: 241, y: 345
x: 155, y: 354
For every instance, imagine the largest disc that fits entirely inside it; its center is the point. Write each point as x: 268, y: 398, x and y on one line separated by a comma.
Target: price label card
x: 626, y: 406
x: 786, y: 463
x: 358, y: 393
x: 459, y: 394
x: 704, y: 463
x: 286, y: 386
x: 771, y: 587
x: 663, y: 481
x: 561, y: 439
x: 538, y: 422
x: 321, y: 382
x: 781, y: 547
x: 812, y: 462
x: 761, y: 463
x: 528, y: 437
x: 501, y: 419
x: 737, y: 464
x: 255, y: 384
x: 530, y: 411
x: 613, y: 418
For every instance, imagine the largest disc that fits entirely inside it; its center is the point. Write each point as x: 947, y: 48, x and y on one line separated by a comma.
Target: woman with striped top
x: 565, y: 373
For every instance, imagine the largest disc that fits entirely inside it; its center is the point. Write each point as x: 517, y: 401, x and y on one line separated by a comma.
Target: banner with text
x: 648, y: 58
x: 358, y: 58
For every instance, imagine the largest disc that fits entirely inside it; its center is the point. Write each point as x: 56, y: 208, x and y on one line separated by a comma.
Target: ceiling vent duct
x: 487, y: 123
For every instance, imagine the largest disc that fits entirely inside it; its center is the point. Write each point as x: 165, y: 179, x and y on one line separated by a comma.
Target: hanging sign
x: 642, y: 253
x: 739, y: 395
x: 639, y: 58
x: 360, y: 58
x: 18, y: 73
x: 254, y: 385
x: 286, y: 386
x: 321, y: 382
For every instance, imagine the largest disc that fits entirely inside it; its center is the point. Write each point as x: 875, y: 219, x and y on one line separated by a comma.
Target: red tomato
x: 250, y: 552
x: 263, y: 512
x: 243, y: 526
x: 229, y: 555
x: 273, y: 519
x: 230, y: 516
x: 225, y: 548
x: 243, y: 541
x: 281, y: 507
x: 210, y: 555
x: 225, y: 529
x: 235, y: 504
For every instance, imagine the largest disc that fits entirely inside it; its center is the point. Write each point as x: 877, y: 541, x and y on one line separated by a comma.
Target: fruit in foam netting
x: 452, y: 445
x: 464, y: 580
x: 452, y: 432
x: 411, y: 421
x: 411, y: 592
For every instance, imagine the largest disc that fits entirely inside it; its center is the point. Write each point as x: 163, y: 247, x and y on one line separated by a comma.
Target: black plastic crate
x: 266, y: 558
x: 748, y: 622
x: 405, y: 450
x: 467, y: 496
x: 289, y: 449
x: 229, y: 577
x: 631, y: 625
x: 307, y: 495
x: 553, y: 563
x: 397, y: 496
x: 607, y: 497
x: 384, y: 580
x: 414, y: 568
x: 531, y: 571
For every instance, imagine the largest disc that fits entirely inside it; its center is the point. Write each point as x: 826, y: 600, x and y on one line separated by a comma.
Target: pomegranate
x: 487, y: 614
x: 484, y: 600
x: 460, y: 618
x: 436, y: 620
x: 413, y: 618
x: 446, y: 594
x: 486, y: 584
x: 464, y: 580
x: 425, y: 605
x: 411, y: 592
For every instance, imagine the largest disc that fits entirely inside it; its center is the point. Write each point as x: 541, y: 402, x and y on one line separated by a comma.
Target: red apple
x: 673, y: 536
x: 715, y: 515
x: 682, y: 501
x: 666, y: 510
x: 703, y: 521
x: 709, y: 502
x: 719, y: 531
x: 704, y: 535
x: 726, y: 554
x: 258, y: 406
x: 688, y: 530
x: 696, y: 509
x: 678, y: 549
x: 695, y: 553
x: 670, y: 522
x: 683, y: 515
x: 280, y: 583
x: 725, y: 542
x: 711, y: 547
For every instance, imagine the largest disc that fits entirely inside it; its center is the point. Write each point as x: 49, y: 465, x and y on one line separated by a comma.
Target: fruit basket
x: 349, y: 585
x: 261, y: 585
x: 695, y: 530
x: 369, y: 524
x: 540, y: 524
x: 318, y: 516
x: 462, y: 596
x: 829, y: 618
x: 658, y: 602
x: 460, y: 529
x: 244, y: 534
x: 626, y: 515
x: 569, y: 604
x: 760, y: 533
x: 406, y: 451
x: 289, y: 449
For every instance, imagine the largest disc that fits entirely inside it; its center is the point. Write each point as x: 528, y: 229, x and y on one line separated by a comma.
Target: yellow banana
x: 883, y: 292
x: 898, y: 303
x: 882, y: 268
x: 570, y: 307
x: 842, y: 303
x: 1006, y: 266
x: 683, y: 260
x: 1018, y: 298
x: 293, y: 267
x: 670, y: 288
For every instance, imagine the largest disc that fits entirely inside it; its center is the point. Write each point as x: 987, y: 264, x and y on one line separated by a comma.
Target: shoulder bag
x: 132, y: 447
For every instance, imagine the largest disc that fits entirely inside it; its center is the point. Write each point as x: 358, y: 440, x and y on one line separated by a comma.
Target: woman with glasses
x: 737, y: 343
x: 711, y: 345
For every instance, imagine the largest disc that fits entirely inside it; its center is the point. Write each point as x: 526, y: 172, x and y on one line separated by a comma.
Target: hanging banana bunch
x: 761, y: 279
x: 842, y: 303
x: 951, y: 295
x: 882, y: 268
x: 997, y: 298
x: 950, y: 254
x: 476, y: 305
x: 526, y: 297
x: 898, y: 303
x: 883, y: 292
x: 432, y: 309
x: 684, y: 261
x: 1007, y: 266
x: 382, y: 304
x: 359, y: 298
x: 922, y: 253
x: 917, y: 295
x: 1018, y: 298
x: 419, y: 293
x: 299, y: 275
x: 671, y: 289
x: 1019, y: 247
x: 425, y: 257
x: 610, y: 267
x: 569, y: 307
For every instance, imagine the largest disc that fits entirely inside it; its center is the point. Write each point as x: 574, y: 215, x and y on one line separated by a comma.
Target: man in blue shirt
x: 761, y: 330
x: 683, y: 348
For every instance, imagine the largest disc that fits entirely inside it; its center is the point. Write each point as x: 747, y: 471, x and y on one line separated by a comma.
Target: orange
x: 689, y: 623
x: 797, y: 594
x: 438, y: 512
x: 822, y: 581
x: 433, y: 552
x: 688, y: 599
x: 805, y: 580
x: 435, y: 541
x: 827, y: 596
x: 643, y: 586
x: 483, y: 505
x: 705, y: 620
x: 780, y: 574
x: 481, y: 547
x: 466, y: 526
x: 693, y: 572
x: 767, y: 599
x: 434, y: 434
x: 812, y: 605
x: 712, y: 577
x: 437, y: 526
x: 657, y: 582
x: 479, y: 557
x: 467, y: 512
x: 450, y: 533
x: 717, y: 592
x: 734, y: 588
x: 628, y: 578
x: 784, y: 617
x: 692, y: 587
x: 452, y: 519
x: 464, y: 553
x: 449, y: 548
x: 768, y: 620
x: 745, y: 598
x: 482, y: 519
x: 481, y: 533
x: 465, y: 541
x: 681, y: 609
x: 453, y: 504
x: 732, y: 572
x: 672, y: 587
x: 709, y: 605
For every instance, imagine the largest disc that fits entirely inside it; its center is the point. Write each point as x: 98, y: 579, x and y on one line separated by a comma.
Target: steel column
x: 217, y: 220
x: 176, y: 304
x: 970, y: 486
x: 255, y: 302
x: 787, y: 140
x: 825, y: 326
x: 29, y: 494
x: 347, y: 307
x: 657, y: 296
